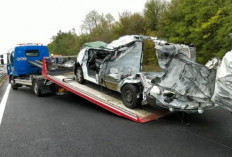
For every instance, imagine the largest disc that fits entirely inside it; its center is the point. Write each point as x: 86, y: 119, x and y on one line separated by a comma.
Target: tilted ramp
x: 106, y: 99
x: 36, y: 63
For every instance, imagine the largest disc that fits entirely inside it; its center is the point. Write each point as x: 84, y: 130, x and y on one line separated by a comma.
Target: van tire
x: 129, y: 94
x: 79, y: 75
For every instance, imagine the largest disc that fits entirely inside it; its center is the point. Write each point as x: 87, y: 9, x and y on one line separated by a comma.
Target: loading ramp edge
x: 114, y: 108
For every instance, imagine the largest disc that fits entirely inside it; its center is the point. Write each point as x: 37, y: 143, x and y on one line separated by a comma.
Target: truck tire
x: 79, y: 75
x: 36, y: 88
x: 129, y: 95
x: 14, y: 85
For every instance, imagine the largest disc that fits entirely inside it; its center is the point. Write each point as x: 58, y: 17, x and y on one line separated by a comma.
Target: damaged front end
x: 184, y: 85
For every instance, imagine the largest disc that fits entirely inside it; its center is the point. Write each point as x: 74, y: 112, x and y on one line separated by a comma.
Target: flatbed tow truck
x: 44, y: 78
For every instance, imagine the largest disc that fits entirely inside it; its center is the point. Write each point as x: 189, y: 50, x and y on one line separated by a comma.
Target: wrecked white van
x: 182, y: 84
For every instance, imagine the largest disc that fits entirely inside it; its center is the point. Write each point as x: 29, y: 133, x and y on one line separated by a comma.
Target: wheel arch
x: 135, y: 82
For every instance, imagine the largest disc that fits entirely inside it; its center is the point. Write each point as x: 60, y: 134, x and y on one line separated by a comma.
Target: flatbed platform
x: 107, y: 99
x: 103, y: 97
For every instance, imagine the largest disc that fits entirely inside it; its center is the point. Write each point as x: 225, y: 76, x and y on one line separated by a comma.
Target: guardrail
x: 2, y: 78
x: 2, y: 72
x: 2, y: 75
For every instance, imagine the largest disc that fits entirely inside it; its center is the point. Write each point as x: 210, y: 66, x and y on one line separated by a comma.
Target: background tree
x: 129, y: 24
x: 109, y: 18
x: 64, y: 44
x: 103, y: 30
x: 91, y: 21
x: 153, y: 11
x: 204, y: 23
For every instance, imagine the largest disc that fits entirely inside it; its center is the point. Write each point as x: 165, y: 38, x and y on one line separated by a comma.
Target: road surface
x: 71, y: 126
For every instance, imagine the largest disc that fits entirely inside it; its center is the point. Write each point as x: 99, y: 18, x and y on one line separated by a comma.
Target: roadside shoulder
x: 3, y: 86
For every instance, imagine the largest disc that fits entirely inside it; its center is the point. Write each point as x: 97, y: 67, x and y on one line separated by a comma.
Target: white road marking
x: 3, y: 102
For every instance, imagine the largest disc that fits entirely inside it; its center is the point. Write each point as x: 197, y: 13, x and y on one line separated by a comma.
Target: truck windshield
x: 32, y: 53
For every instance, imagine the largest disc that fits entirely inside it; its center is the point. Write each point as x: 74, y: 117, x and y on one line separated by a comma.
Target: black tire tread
x: 14, y: 86
x: 33, y: 85
x: 82, y: 75
x: 136, y: 101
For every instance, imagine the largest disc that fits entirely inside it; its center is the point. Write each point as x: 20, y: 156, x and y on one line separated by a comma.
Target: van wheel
x: 129, y: 95
x: 36, y: 88
x: 79, y: 75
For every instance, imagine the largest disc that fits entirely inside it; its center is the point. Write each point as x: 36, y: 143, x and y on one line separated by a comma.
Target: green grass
x: 151, y: 68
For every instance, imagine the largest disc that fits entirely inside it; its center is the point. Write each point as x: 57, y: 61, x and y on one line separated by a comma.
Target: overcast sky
x: 24, y: 21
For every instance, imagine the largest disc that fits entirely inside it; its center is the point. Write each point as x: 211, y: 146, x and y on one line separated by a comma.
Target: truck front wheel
x: 14, y: 85
x: 130, y: 97
x: 36, y: 88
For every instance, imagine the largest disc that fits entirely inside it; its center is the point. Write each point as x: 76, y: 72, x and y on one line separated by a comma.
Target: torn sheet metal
x: 185, y: 85
x: 122, y: 41
x: 223, y: 86
x: 126, y: 63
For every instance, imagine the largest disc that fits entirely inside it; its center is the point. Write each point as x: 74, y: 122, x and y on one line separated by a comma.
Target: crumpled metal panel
x: 185, y: 84
x: 122, y: 41
x: 127, y: 62
x: 165, y: 53
x: 223, y: 86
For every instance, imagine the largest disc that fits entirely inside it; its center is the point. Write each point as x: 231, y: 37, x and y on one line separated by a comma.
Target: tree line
x: 203, y: 23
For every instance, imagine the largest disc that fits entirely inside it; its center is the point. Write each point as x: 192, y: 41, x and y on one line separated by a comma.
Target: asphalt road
x: 71, y: 126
